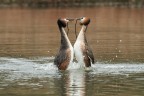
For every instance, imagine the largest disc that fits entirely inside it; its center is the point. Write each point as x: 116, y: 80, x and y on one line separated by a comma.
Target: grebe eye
x: 82, y: 18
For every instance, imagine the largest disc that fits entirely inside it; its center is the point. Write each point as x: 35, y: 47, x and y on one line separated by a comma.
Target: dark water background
x: 29, y: 40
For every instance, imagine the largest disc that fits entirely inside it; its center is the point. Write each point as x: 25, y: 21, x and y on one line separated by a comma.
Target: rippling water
x: 115, y: 34
x: 38, y: 76
x: 29, y: 40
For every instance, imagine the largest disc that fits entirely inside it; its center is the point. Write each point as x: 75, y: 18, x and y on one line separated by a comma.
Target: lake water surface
x: 29, y: 40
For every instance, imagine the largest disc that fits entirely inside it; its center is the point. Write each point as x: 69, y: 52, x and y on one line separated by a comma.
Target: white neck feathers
x: 65, y: 35
x: 82, y: 33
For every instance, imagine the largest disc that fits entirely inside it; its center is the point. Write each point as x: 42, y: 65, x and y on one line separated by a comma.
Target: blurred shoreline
x: 70, y: 3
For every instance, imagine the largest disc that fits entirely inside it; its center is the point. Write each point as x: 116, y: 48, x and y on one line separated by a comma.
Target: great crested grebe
x: 82, y: 51
x: 65, y: 54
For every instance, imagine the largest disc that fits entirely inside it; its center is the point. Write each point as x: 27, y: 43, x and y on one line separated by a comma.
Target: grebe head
x: 84, y: 21
x: 63, y: 21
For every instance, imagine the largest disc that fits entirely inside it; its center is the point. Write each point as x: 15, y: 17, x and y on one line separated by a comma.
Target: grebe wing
x: 90, y: 54
x: 61, y: 56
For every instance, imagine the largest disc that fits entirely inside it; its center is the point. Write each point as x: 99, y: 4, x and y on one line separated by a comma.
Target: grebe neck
x: 81, y: 35
x: 65, y: 42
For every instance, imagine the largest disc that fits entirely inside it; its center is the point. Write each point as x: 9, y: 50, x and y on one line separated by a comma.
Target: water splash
x: 44, y: 67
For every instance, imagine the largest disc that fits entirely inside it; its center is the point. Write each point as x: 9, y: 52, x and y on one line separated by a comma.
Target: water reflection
x: 75, y: 83
x: 39, y: 77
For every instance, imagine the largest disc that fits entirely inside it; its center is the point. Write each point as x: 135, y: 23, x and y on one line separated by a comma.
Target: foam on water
x: 118, y: 68
x: 44, y: 67
x: 27, y: 68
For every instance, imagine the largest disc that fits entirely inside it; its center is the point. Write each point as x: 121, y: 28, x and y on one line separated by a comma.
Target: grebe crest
x: 84, y: 21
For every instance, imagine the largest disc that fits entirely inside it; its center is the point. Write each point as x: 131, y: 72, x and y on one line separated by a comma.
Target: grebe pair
x: 82, y: 51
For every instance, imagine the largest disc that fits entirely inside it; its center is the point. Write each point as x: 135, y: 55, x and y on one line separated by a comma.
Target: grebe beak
x: 79, y: 18
x: 70, y: 19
